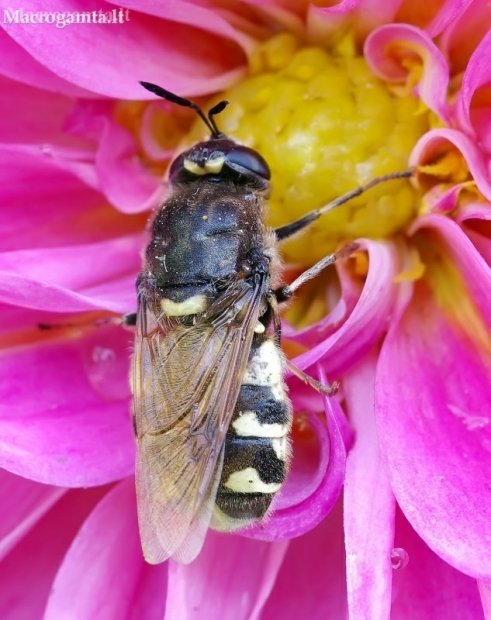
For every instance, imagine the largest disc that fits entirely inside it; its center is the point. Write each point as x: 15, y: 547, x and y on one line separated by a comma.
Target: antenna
x: 209, y: 121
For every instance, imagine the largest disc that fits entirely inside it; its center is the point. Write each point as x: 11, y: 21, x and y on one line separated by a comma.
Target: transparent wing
x: 186, y: 380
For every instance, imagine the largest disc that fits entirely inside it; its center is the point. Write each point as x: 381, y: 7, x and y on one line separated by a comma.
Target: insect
x: 212, y: 415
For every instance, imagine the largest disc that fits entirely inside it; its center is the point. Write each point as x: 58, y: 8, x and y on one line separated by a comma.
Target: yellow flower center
x: 325, y: 125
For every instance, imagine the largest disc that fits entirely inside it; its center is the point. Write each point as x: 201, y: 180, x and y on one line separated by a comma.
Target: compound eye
x: 244, y: 158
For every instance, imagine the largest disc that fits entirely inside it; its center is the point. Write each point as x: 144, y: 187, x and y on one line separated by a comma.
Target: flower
x: 349, y: 92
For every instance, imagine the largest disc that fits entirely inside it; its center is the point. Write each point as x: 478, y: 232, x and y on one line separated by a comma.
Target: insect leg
x: 329, y: 390
x: 126, y: 320
x: 290, y: 229
x: 285, y: 292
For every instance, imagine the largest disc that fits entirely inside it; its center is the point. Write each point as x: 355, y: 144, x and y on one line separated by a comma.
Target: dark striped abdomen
x: 257, y: 446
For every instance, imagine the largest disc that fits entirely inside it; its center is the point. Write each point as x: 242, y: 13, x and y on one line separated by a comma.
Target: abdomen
x: 257, y: 445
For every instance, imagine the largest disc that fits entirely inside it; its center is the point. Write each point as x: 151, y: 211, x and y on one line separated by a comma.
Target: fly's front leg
x: 291, y: 229
x: 285, y: 292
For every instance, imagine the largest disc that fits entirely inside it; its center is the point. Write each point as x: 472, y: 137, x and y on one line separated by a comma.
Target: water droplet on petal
x: 106, y: 362
x: 399, y: 558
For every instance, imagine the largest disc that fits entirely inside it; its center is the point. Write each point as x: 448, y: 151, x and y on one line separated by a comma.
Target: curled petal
x: 366, y: 323
x: 27, y: 501
x: 369, y: 504
x: 437, y: 142
x: 107, y: 552
x: 294, y: 512
x: 443, y: 199
x: 402, y: 53
x: 473, y: 106
x: 461, y: 37
x: 433, y: 399
x: 213, y: 584
x: 474, y: 219
x: 145, y: 41
x: 64, y: 412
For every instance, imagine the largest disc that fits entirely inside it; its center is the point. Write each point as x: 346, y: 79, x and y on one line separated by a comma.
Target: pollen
x: 325, y: 125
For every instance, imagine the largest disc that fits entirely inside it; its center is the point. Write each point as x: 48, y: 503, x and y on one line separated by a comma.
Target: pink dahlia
x: 332, y: 96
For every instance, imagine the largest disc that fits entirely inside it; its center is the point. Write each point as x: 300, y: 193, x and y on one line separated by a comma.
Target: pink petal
x: 30, y: 219
x: 462, y: 36
x: 27, y: 573
x: 436, y: 142
x: 63, y: 210
x: 311, y: 582
x: 19, y: 65
x: 449, y: 11
x: 485, y: 593
x: 443, y: 199
x: 307, y: 499
x: 368, y: 320
x: 144, y: 42
x: 474, y: 219
x: 383, y: 50
x: 476, y: 118
x: 124, y: 180
x: 433, y: 17
x: 77, y: 161
x: 19, y: 122
x: 121, y: 175
x: 64, y: 411
x: 286, y: 16
x: 192, y: 13
x: 369, y: 504
x: 46, y: 279
x: 26, y: 291
x: 427, y: 588
x: 432, y: 400
x: 364, y: 16
x: 103, y: 575
x: 231, y: 579
x: 27, y: 503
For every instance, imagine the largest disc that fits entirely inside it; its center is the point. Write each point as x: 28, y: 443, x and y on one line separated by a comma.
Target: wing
x: 186, y: 380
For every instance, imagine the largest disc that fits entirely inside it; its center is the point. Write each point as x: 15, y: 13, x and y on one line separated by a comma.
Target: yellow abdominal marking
x: 193, y: 305
x: 248, y: 481
x: 248, y: 425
